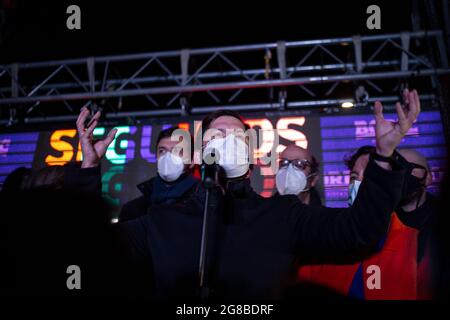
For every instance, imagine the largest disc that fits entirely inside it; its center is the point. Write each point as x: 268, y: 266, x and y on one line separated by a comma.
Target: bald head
x: 416, y: 157
x: 293, y: 152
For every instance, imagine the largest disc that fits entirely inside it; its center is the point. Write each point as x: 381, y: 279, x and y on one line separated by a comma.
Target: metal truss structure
x: 272, y: 76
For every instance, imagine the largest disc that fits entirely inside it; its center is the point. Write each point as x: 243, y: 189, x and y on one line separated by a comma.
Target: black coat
x: 139, y: 206
x: 256, y: 241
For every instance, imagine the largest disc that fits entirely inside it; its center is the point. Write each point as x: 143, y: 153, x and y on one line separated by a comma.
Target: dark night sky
x: 38, y: 30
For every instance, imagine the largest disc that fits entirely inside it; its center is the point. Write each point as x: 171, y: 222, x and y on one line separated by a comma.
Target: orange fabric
x: 398, y: 267
x: 335, y: 277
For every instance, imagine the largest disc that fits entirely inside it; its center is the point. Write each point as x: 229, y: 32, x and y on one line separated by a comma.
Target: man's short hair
x: 49, y: 178
x: 351, y: 159
x: 167, y: 133
x: 15, y: 181
x: 206, y: 122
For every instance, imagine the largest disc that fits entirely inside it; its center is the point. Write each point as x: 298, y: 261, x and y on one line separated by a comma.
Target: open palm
x: 93, y: 151
x: 389, y: 134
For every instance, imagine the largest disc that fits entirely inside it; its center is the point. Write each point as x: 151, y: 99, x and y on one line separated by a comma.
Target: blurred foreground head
x: 14, y: 182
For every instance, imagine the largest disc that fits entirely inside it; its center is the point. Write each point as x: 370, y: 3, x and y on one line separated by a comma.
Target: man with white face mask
x: 174, y: 179
x: 258, y: 240
x: 298, y: 174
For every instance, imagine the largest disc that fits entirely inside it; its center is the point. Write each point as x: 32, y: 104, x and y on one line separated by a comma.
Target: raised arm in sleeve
x: 85, y: 180
x: 322, y: 233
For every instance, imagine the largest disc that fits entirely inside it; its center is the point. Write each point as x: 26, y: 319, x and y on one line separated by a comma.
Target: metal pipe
x: 234, y: 73
x: 51, y: 119
x: 295, y: 105
x: 248, y: 107
x: 149, y: 113
x: 225, y: 86
x: 239, y: 48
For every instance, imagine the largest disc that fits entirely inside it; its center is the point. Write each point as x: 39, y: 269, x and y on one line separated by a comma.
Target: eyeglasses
x: 301, y: 164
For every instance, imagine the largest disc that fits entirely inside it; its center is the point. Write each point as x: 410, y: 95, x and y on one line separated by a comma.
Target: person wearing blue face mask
x: 357, y: 164
x: 174, y: 179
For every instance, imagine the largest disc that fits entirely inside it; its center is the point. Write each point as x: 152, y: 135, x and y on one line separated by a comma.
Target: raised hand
x: 389, y: 134
x: 93, y: 151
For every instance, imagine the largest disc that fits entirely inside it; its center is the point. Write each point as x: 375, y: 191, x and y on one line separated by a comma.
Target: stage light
x: 114, y: 220
x: 361, y: 96
x: 347, y: 104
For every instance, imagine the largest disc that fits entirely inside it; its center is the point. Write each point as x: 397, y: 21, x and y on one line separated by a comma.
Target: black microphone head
x: 211, y: 156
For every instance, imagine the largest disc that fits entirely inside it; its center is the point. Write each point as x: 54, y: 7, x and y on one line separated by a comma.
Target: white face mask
x: 231, y: 153
x: 291, y: 180
x: 170, y: 167
x: 353, y: 191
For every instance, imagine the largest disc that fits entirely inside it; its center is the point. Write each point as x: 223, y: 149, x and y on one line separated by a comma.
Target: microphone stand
x: 210, y: 176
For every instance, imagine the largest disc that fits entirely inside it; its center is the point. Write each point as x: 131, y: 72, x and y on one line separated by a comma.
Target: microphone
x: 212, y: 174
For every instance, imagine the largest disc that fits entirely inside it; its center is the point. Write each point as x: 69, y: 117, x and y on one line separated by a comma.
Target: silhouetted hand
x: 93, y: 151
x: 389, y: 134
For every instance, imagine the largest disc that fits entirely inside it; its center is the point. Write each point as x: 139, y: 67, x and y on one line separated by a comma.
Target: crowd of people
x: 287, y: 246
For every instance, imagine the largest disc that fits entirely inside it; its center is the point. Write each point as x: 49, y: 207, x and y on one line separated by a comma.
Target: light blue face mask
x: 353, y: 191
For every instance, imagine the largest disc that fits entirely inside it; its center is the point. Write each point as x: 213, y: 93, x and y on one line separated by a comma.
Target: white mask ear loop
x: 307, y: 177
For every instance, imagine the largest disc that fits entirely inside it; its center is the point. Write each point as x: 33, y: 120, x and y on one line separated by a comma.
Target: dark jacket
x: 256, y: 241
x: 314, y: 199
x: 156, y: 192
x: 51, y: 229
